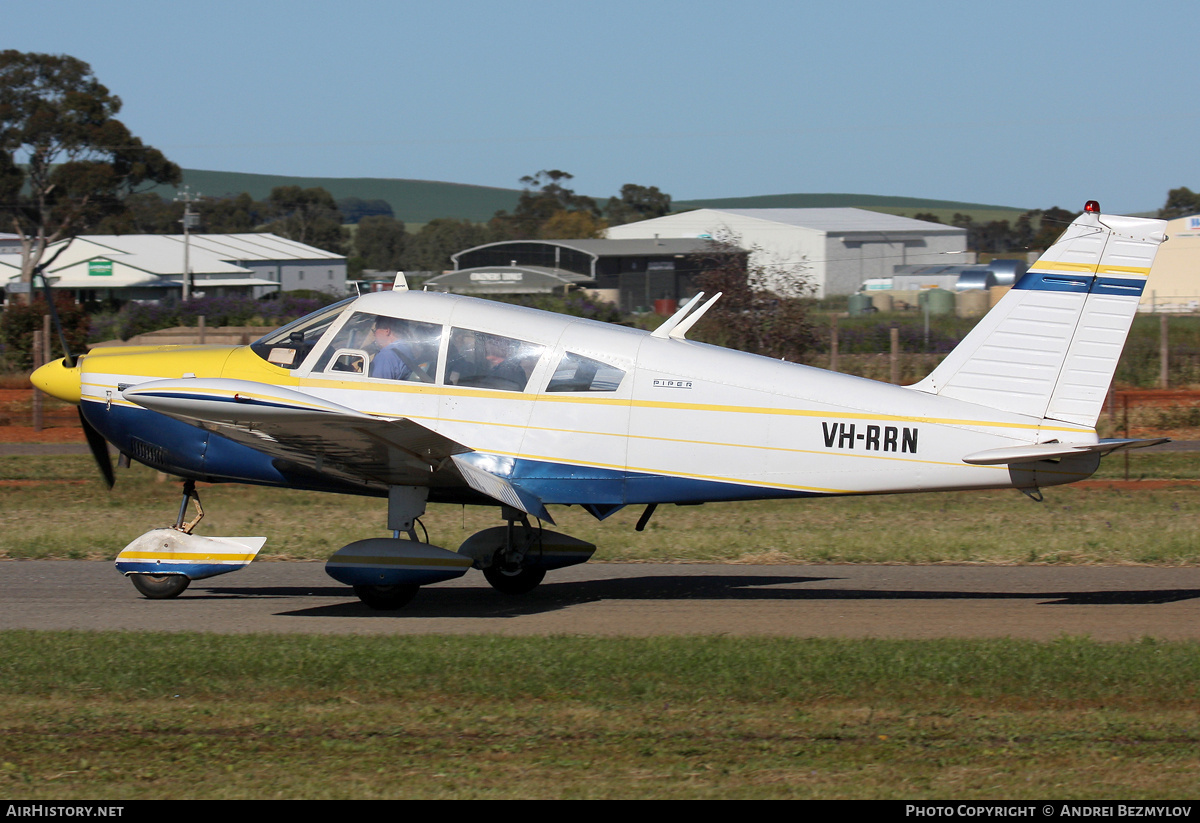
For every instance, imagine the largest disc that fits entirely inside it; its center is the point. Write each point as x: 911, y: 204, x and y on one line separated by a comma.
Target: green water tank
x: 859, y: 303
x: 939, y: 301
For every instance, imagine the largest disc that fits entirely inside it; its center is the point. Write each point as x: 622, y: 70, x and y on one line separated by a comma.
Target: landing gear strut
x: 509, y: 572
x: 386, y: 572
x: 166, y: 586
x: 163, y: 562
x: 189, y: 493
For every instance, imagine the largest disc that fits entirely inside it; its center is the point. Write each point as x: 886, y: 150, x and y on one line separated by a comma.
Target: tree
x: 380, y: 241
x: 543, y: 197
x: 1180, y: 203
x: 144, y: 213
x: 354, y: 209
x: 66, y: 161
x: 637, y: 203
x: 749, y: 316
x: 20, y: 321
x: 1052, y: 223
x: 228, y: 215
x: 307, y: 216
x: 564, y: 225
x: 431, y: 247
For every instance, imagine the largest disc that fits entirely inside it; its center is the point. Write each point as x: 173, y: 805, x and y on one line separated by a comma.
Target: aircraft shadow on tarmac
x: 483, y: 602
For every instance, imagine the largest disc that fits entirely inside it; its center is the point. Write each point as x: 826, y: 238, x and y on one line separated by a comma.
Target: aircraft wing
x: 326, y: 437
x: 1050, y: 451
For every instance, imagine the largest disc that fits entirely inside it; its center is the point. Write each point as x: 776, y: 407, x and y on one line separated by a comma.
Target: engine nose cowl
x: 57, y: 380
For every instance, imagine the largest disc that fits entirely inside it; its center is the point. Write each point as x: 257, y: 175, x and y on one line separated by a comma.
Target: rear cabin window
x: 490, y: 361
x: 578, y: 373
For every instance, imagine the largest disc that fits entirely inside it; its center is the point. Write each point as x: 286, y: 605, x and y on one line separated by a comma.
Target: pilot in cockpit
x: 395, y: 353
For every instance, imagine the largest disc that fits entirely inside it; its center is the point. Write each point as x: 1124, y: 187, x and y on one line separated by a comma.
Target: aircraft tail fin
x: 1050, y: 347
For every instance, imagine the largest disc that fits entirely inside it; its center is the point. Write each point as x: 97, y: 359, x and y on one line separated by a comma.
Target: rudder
x: 1050, y: 347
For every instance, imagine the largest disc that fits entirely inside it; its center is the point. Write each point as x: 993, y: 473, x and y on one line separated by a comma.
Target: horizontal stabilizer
x: 1051, y: 451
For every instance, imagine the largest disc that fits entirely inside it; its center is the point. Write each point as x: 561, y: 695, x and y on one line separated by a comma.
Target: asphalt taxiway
x: 609, y: 599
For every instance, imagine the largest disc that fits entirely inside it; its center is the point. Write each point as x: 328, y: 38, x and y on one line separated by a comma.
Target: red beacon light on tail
x: 1091, y: 207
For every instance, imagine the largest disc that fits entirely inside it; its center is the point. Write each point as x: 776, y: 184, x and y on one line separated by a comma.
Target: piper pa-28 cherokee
x: 422, y: 397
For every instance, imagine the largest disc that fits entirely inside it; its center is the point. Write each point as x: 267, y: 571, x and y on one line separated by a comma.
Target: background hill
x: 413, y: 201
x: 416, y: 202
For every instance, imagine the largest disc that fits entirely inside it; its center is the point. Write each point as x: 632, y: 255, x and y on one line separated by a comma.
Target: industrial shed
x: 1175, y: 279
x: 150, y: 266
x: 824, y: 251
x: 635, y: 274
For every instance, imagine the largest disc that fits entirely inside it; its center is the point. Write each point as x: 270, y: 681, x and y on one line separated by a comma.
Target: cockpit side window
x: 576, y: 373
x: 389, y: 348
x: 490, y: 361
x: 289, y: 345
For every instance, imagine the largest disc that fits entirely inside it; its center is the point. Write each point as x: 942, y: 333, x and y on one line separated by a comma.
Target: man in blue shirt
x: 395, y: 353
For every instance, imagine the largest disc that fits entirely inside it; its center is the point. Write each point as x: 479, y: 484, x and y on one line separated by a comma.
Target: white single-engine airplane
x: 421, y: 396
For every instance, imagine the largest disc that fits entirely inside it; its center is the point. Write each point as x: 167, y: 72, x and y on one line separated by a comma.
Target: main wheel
x: 160, y: 586
x: 386, y: 598
x: 513, y: 581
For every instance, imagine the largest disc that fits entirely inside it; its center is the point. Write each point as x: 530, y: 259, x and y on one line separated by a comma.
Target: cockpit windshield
x: 288, y: 346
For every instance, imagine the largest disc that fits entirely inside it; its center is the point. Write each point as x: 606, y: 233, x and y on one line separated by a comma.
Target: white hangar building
x: 150, y: 266
x: 836, y: 249
x: 1174, y: 284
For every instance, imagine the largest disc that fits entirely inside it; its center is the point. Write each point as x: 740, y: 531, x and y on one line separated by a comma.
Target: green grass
x: 125, y: 716
x: 1082, y: 525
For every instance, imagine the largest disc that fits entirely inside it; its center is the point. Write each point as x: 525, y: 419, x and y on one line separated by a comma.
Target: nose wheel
x: 160, y: 586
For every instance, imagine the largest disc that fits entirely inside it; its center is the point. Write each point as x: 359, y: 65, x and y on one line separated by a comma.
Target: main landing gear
x: 514, y: 559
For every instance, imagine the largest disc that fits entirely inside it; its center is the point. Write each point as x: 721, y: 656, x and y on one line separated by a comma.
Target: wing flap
x: 498, y: 488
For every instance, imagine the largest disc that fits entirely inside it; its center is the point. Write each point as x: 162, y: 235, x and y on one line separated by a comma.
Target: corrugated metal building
x: 635, y: 274
x: 150, y: 266
x: 833, y: 251
x: 1175, y: 279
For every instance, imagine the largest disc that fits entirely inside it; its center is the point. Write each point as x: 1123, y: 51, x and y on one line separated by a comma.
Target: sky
x: 1021, y: 104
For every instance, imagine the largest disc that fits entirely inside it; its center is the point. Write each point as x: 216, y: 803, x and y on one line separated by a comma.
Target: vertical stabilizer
x: 1050, y: 347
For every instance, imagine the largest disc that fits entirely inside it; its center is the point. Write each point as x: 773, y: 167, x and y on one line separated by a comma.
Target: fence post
x: 895, y: 334
x: 833, y: 342
x: 200, y: 318
x: 1163, y: 349
x: 38, y: 353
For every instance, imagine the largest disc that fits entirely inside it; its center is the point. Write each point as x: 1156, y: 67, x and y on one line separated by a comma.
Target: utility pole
x: 190, y: 221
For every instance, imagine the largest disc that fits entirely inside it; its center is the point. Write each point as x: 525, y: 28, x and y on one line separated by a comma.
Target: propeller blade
x: 99, y: 447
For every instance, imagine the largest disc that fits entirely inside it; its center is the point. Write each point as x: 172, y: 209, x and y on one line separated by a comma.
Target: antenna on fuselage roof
x: 678, y: 324
x: 401, y: 283
x: 675, y: 319
x: 680, y: 331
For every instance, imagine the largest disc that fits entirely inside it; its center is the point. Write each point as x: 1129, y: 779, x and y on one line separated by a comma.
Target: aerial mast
x: 190, y: 221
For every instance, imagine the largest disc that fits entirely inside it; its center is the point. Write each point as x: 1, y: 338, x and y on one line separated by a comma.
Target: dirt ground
x: 60, y: 424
